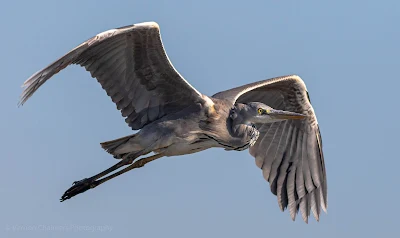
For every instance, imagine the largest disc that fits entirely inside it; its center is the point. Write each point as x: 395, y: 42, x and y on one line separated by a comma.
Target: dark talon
x: 77, y: 188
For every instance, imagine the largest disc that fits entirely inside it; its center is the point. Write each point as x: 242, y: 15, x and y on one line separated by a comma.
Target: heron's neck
x: 238, y: 114
x: 242, y: 129
x: 239, y: 124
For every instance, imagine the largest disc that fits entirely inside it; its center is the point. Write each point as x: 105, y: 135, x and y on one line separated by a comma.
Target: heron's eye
x: 260, y: 111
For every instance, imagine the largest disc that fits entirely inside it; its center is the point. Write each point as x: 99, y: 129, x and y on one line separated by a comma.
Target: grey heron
x: 272, y: 118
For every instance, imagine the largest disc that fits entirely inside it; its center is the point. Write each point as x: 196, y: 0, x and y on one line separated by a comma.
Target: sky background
x: 347, y: 52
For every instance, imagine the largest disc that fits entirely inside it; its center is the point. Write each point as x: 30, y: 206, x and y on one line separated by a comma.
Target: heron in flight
x: 272, y: 118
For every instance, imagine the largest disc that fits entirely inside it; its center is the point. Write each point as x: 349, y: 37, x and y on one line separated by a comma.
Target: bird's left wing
x: 133, y: 68
x: 288, y: 152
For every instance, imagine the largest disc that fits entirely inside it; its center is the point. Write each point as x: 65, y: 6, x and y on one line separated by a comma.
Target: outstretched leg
x: 92, y: 182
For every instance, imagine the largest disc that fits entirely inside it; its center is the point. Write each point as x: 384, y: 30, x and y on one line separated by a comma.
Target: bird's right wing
x: 288, y: 152
x: 133, y: 68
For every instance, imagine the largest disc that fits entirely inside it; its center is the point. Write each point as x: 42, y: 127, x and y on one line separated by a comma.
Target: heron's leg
x: 92, y: 182
x: 128, y: 159
x: 137, y: 164
x: 85, y: 184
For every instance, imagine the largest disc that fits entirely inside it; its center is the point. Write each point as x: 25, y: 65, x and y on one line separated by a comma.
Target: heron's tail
x: 112, y: 145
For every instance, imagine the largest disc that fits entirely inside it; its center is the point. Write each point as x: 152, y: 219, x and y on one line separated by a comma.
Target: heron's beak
x: 285, y: 115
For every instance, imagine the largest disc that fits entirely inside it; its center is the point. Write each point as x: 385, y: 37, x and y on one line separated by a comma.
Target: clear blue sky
x: 346, y: 51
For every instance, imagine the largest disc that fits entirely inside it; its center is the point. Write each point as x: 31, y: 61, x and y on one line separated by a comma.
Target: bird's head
x: 257, y: 112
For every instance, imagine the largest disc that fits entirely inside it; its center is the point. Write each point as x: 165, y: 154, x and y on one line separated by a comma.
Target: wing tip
x: 306, y: 210
x: 23, y: 98
x: 27, y: 88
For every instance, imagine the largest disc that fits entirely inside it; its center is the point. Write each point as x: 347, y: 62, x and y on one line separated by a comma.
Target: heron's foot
x: 79, y: 187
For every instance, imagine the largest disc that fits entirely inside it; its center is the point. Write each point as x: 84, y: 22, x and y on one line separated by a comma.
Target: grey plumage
x: 273, y: 118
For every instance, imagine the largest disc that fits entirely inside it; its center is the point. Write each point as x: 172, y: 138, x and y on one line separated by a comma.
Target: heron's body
x: 192, y: 130
x: 174, y: 134
x: 272, y: 118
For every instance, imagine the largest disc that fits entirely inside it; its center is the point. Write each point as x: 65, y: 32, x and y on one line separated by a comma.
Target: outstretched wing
x: 288, y: 152
x: 131, y: 65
